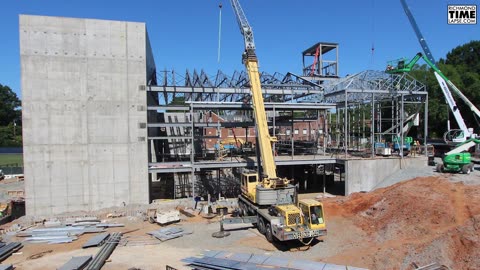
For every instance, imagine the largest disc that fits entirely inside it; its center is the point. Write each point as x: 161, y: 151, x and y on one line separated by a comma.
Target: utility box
x: 163, y: 218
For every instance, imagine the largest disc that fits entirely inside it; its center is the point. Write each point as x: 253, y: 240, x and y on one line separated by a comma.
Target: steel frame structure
x: 198, y: 86
x: 399, y: 94
x: 370, y: 93
x: 200, y: 93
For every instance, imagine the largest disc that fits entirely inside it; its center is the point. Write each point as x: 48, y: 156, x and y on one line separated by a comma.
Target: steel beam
x: 169, y: 138
x: 268, y: 105
x: 229, y: 90
x: 242, y: 106
x: 168, y: 108
x: 389, y: 92
x: 173, y: 167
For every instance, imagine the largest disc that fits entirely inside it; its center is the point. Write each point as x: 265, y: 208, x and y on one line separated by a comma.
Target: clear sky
x: 184, y: 33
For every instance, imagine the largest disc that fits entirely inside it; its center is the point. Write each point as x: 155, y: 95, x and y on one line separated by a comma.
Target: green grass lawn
x: 11, y: 159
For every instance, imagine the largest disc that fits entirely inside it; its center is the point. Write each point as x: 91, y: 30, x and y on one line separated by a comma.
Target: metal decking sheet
x: 246, y: 261
x: 76, y: 263
x: 221, y: 264
x: 96, y: 240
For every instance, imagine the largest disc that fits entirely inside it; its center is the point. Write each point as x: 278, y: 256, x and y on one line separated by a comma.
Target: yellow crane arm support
x: 269, y: 177
x: 264, y: 138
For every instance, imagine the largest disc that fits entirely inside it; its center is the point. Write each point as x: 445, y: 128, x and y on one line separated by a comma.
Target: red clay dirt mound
x: 423, y: 220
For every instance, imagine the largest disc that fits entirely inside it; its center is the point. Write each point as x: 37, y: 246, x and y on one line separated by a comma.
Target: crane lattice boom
x: 245, y: 27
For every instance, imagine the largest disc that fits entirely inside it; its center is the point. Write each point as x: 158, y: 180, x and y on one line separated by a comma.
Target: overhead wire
x: 219, y: 31
x: 372, y: 57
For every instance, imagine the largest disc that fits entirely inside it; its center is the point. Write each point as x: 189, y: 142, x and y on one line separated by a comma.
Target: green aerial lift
x: 458, y: 159
x: 452, y: 136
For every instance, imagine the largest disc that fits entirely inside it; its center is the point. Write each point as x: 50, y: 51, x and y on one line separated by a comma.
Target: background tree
x: 9, y: 103
x: 10, y: 118
x: 462, y: 67
x: 467, y: 55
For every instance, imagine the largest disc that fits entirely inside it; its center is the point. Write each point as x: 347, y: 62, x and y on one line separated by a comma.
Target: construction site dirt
x: 423, y: 220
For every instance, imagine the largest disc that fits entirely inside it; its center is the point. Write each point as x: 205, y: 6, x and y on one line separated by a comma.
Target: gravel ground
x: 344, y: 237
x: 402, y: 175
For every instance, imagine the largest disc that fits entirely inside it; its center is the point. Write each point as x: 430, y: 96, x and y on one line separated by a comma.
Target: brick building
x: 302, y: 130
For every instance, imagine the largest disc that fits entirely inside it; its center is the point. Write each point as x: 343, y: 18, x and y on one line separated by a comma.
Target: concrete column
x: 85, y: 140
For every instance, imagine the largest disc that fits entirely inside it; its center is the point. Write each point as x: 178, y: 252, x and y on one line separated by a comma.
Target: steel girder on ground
x: 198, y: 86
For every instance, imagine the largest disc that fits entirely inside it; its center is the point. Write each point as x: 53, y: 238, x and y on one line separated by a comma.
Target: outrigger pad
x: 220, y: 234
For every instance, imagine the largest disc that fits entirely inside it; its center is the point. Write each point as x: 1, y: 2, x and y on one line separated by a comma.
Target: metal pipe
x: 401, y: 128
x: 425, y: 134
x: 372, y: 126
x: 192, y: 157
x: 345, y: 125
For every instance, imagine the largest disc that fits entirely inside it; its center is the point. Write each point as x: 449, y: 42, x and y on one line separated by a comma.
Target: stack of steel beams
x: 168, y: 233
x: 105, y: 252
x: 57, y: 235
x: 96, y: 240
x: 221, y: 260
x: 8, y: 249
x: 76, y: 263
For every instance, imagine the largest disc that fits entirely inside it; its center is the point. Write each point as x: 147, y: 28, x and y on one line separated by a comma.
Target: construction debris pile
x: 424, y: 220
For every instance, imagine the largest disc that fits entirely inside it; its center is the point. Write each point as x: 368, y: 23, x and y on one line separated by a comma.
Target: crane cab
x: 249, y: 182
x: 313, y: 215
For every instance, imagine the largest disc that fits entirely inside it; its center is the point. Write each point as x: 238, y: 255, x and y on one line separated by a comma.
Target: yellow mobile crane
x: 267, y: 200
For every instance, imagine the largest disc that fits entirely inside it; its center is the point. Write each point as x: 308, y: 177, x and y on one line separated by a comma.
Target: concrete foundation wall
x: 366, y: 174
x: 84, y: 145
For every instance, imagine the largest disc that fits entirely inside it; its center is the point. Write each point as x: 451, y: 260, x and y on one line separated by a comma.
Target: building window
x: 296, y: 131
x: 304, y: 131
x: 288, y: 131
x: 230, y: 133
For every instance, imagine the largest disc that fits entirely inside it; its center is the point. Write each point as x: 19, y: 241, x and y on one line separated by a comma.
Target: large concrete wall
x: 368, y: 174
x: 85, y: 145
